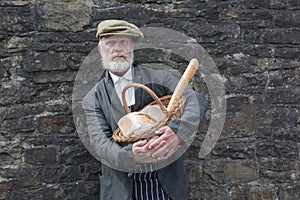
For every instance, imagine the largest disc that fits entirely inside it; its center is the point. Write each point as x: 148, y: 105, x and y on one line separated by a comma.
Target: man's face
x: 116, y: 52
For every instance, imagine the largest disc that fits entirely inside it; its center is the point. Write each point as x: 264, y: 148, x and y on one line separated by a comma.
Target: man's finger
x: 139, y: 147
x: 153, y: 139
x: 161, y: 130
x: 168, y: 149
x: 139, y: 143
x: 161, y: 152
x: 156, y: 144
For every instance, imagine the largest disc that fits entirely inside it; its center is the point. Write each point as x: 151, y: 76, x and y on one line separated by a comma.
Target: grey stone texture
x: 255, y: 45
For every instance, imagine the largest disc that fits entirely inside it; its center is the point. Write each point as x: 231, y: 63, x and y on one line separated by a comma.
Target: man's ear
x: 99, y: 48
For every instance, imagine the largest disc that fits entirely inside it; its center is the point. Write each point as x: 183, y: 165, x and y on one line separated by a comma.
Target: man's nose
x: 118, y: 47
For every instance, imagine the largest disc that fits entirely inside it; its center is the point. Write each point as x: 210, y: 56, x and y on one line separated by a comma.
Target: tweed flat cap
x: 118, y: 27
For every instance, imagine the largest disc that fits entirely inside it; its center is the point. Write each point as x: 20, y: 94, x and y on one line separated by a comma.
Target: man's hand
x: 142, y: 153
x: 165, y: 145
x: 159, y: 147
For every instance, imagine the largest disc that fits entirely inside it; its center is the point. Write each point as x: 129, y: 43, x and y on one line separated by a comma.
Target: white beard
x: 117, y: 66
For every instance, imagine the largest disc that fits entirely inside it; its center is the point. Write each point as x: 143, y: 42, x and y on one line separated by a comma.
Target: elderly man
x: 123, y: 176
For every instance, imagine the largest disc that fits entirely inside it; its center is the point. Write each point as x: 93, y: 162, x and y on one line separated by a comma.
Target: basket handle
x: 148, y: 90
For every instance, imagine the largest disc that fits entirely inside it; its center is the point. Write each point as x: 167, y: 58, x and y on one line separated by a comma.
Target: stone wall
x: 255, y: 45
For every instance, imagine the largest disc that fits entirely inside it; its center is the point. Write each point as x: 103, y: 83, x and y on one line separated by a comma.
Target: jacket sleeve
x: 194, y: 110
x: 105, y: 148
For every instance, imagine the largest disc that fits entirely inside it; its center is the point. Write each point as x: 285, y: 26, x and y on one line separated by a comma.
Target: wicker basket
x: 163, y: 102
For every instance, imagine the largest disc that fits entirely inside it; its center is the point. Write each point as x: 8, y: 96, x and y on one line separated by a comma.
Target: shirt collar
x: 127, y: 76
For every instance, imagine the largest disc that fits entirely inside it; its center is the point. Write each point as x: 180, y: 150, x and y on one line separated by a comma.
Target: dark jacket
x: 103, y: 110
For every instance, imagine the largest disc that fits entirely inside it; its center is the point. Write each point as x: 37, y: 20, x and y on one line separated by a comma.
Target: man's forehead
x: 117, y: 37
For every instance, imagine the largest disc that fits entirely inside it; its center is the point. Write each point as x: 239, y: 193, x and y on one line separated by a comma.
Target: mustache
x: 120, y: 55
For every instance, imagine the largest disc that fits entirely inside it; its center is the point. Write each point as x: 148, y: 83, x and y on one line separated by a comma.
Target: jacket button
x: 129, y: 174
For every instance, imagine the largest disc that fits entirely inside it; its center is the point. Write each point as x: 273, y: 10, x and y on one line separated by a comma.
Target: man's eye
x: 110, y: 43
x: 123, y: 42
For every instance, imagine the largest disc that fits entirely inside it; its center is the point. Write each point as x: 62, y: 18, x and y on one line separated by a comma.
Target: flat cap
x: 118, y: 27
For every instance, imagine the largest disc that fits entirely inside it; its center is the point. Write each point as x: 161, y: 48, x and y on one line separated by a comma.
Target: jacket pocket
x: 106, y: 187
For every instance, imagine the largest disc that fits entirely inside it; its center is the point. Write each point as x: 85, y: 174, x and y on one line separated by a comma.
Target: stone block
x: 279, y: 170
x: 24, y: 176
x: 56, y: 124
x: 289, y: 191
x: 191, y: 3
x: 14, y: 126
x: 254, y: 193
x: 38, y: 140
x: 5, y: 188
x: 60, y: 174
x: 277, y: 64
x: 18, y: 44
x: 290, y: 52
x: 253, y: 4
x: 75, y: 155
x: 288, y: 132
x: 90, y: 170
x: 44, y: 61
x: 246, y: 82
x: 209, y: 32
x: 67, y: 190
x: 133, y: 13
x: 246, y: 15
x: 19, y: 111
x: 210, y: 193
x: 17, y: 16
x: 13, y: 94
x: 243, y: 148
x: 10, y: 151
x: 282, y: 4
x: 76, y: 59
x: 54, y: 77
x: 57, y: 106
x: 40, y: 156
x: 230, y: 172
x: 59, y: 46
x: 276, y: 113
x: 241, y: 118
x: 195, y: 172
x: 81, y: 190
x: 237, y: 64
x: 270, y: 148
x: 271, y: 51
x: 3, y: 73
x: 286, y: 19
x: 200, y: 185
x: 274, y: 36
x: 275, y: 95
x: 63, y: 15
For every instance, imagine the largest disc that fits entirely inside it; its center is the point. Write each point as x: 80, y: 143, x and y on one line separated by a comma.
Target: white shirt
x: 120, y: 83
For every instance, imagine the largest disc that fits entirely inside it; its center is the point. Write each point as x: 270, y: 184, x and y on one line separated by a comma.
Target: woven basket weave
x: 163, y: 102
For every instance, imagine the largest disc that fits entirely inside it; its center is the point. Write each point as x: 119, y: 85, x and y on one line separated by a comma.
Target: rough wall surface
x: 255, y: 45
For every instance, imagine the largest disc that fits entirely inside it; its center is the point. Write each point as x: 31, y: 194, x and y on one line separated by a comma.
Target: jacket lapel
x: 117, y: 108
